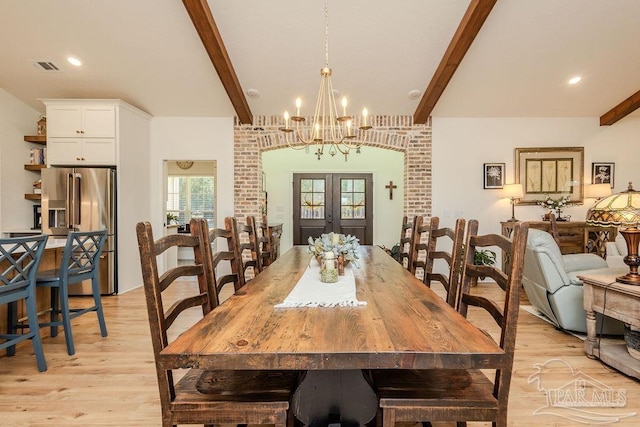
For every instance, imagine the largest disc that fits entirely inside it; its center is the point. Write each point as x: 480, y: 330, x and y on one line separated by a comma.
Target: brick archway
x: 389, y: 132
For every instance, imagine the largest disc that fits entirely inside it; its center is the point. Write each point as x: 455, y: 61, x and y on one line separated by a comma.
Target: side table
x: 602, y: 294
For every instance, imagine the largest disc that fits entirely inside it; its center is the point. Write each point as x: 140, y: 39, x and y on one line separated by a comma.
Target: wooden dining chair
x: 19, y: 261
x: 405, y: 241
x: 251, y: 244
x: 418, y: 245
x: 223, y: 249
x: 202, y: 397
x: 462, y: 395
x: 446, y: 244
x: 266, y: 244
x: 80, y: 262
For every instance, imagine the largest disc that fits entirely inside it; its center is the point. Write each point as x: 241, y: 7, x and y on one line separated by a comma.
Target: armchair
x: 553, y: 288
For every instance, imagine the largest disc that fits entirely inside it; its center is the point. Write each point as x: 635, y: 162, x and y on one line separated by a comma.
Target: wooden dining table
x: 404, y: 325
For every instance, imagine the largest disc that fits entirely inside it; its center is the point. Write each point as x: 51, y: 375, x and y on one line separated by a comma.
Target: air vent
x: 46, y: 66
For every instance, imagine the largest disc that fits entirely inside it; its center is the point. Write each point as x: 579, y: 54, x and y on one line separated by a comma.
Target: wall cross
x: 390, y: 186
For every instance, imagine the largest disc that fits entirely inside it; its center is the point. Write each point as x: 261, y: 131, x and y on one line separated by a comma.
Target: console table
x: 575, y: 236
x: 602, y: 294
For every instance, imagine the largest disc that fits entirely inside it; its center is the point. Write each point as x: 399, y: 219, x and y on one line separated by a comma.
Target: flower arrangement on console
x: 555, y: 204
x: 340, y: 244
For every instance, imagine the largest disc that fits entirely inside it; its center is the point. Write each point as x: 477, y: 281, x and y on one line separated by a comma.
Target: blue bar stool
x: 19, y: 260
x: 80, y: 261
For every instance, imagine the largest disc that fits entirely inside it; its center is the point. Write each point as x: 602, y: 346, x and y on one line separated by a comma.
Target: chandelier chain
x: 326, y: 33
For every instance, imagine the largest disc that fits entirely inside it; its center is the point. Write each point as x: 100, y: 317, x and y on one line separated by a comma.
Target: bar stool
x: 80, y: 261
x: 19, y: 260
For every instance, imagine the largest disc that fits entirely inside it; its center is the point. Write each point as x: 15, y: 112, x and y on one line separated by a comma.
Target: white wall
x: 16, y: 120
x: 385, y: 165
x: 461, y: 146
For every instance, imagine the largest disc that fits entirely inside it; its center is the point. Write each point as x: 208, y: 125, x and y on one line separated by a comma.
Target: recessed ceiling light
x: 74, y: 61
x: 253, y: 93
x: 414, y: 94
x: 575, y: 80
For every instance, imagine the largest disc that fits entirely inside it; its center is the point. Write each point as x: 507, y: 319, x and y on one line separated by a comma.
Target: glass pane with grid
x: 352, y: 199
x: 191, y: 197
x: 312, y: 197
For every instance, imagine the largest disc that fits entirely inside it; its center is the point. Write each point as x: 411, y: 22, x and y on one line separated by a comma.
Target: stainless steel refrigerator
x: 83, y: 199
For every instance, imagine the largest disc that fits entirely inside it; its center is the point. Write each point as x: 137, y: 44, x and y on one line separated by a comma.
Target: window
x: 312, y: 195
x: 191, y: 197
x: 352, y: 199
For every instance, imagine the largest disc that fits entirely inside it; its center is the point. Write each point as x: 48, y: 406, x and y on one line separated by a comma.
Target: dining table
x: 396, y: 322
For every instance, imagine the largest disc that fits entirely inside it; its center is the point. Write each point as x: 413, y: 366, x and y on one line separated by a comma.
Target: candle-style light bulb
x: 348, y: 127
x: 317, y: 130
x: 298, y: 105
x: 344, y: 105
x: 365, y: 113
x: 286, y: 119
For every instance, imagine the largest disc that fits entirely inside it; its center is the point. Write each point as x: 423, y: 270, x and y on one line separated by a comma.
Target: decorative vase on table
x: 329, y: 268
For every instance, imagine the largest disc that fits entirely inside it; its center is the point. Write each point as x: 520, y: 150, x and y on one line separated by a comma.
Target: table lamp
x: 598, y: 191
x: 621, y: 210
x: 513, y: 192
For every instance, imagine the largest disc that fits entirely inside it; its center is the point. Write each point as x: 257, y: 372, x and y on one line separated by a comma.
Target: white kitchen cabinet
x: 82, y: 132
x: 81, y: 121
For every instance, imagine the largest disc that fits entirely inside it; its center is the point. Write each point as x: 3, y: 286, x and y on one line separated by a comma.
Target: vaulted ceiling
x: 149, y: 53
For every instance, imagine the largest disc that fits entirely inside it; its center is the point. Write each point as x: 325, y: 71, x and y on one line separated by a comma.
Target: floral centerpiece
x: 340, y: 244
x: 555, y: 204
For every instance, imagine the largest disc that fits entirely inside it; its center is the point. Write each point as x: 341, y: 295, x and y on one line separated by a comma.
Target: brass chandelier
x: 337, y: 132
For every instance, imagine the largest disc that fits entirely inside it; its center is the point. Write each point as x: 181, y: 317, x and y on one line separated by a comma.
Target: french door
x: 326, y: 202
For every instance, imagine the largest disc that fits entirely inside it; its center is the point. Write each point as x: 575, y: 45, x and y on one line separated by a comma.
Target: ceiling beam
x: 469, y: 27
x: 202, y: 19
x: 621, y: 110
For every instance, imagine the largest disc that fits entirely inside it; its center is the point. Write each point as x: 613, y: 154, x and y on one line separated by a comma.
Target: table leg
x: 591, y: 343
x: 324, y: 395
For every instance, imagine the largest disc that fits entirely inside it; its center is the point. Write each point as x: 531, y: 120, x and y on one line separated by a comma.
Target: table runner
x: 311, y: 292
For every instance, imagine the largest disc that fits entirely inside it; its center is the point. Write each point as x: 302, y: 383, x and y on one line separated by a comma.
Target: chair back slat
x: 82, y: 252
x: 453, y: 257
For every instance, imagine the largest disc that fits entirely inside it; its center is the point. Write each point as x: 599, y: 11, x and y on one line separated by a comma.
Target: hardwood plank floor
x: 111, y: 381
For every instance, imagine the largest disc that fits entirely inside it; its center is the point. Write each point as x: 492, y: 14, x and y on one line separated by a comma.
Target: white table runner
x: 311, y: 292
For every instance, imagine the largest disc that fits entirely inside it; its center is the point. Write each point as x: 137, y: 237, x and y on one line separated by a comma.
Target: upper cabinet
x: 82, y: 132
x: 78, y: 121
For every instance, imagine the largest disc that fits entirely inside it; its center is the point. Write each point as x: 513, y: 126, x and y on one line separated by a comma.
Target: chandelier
x: 337, y: 132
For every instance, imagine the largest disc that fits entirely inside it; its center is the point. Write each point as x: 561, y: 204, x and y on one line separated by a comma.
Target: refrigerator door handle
x: 69, y: 202
x: 78, y: 201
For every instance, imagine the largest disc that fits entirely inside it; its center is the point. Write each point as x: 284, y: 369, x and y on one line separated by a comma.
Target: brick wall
x: 392, y: 132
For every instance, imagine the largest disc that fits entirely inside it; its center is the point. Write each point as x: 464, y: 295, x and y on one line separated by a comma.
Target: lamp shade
x: 598, y: 191
x: 620, y: 209
x: 512, y: 191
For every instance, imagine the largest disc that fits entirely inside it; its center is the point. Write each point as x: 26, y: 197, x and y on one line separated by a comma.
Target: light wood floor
x: 111, y: 381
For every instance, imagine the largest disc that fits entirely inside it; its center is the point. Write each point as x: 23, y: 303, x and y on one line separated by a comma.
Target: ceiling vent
x: 46, y: 66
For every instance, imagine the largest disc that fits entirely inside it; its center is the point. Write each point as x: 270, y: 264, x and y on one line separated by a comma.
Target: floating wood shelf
x: 34, y: 167
x: 38, y: 139
x: 32, y: 196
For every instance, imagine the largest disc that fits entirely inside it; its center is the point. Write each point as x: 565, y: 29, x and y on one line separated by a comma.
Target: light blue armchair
x: 553, y: 288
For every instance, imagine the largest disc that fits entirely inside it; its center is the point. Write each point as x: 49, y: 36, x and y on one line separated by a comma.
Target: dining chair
x: 405, y: 240
x: 418, y: 247
x: 266, y: 244
x: 224, y: 251
x: 80, y: 262
x: 461, y: 395
x: 252, y: 245
x: 19, y: 261
x: 445, y: 243
x: 202, y: 397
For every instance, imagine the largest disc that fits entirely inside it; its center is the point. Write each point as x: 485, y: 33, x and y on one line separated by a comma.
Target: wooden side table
x: 602, y: 294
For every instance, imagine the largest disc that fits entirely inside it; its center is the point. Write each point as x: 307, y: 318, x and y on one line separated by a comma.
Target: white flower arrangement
x: 550, y: 203
x: 340, y: 244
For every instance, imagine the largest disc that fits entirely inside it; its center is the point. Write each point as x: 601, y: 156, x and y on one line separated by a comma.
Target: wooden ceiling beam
x: 621, y: 110
x: 469, y: 27
x: 205, y: 25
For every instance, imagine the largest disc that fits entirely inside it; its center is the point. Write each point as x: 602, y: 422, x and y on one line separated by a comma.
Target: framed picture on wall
x: 602, y: 173
x: 550, y: 172
x: 493, y: 175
